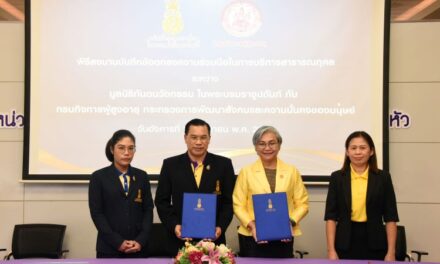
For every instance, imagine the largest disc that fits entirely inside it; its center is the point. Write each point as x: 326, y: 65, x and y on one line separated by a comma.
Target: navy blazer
x: 177, y: 177
x: 119, y: 217
x: 380, y: 204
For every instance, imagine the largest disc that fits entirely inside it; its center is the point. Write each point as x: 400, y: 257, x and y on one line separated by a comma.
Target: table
x: 170, y: 261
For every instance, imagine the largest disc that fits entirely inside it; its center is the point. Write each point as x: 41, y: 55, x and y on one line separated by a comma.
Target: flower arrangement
x: 204, y: 252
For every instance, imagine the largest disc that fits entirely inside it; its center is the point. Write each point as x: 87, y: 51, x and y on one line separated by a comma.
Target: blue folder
x: 199, y: 215
x: 271, y: 216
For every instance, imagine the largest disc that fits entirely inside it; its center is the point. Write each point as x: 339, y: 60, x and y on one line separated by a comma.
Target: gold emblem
x: 217, y: 188
x: 199, y: 206
x: 139, y: 197
x: 270, y: 208
x: 172, y: 20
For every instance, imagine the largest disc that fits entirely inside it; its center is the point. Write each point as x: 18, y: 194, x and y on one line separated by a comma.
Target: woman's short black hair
x: 117, y: 136
x: 372, y: 161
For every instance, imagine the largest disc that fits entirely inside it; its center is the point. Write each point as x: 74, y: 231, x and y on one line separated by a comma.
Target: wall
x: 414, y: 86
x: 414, y: 152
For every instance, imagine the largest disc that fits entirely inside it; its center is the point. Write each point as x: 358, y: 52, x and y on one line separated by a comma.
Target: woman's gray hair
x: 264, y: 129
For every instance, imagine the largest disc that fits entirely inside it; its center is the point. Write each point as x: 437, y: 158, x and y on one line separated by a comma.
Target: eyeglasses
x: 123, y: 149
x: 203, y: 139
x: 263, y: 145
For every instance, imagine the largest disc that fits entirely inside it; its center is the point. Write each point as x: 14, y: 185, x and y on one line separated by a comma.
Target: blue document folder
x: 271, y: 216
x: 199, y: 215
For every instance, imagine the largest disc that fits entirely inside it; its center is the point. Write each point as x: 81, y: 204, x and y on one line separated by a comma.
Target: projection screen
x: 314, y: 69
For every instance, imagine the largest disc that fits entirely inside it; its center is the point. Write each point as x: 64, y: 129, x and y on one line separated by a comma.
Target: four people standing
x: 360, y: 197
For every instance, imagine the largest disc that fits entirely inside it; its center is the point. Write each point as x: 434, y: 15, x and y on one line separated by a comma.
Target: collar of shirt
x: 119, y: 173
x: 195, y: 165
x: 355, y: 175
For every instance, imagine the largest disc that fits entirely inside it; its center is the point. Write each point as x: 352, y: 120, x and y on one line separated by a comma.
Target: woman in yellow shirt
x: 360, y: 199
x: 267, y: 175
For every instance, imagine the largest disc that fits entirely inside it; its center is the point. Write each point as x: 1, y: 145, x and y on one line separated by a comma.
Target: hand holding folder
x: 252, y: 227
x: 199, y: 215
x: 272, y: 217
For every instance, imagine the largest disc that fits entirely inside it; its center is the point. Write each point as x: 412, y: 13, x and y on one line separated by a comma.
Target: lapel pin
x: 208, y: 167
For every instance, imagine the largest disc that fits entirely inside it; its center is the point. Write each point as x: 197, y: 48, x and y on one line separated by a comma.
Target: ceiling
x: 401, y: 10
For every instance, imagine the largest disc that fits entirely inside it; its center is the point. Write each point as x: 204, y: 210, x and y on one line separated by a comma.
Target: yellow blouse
x: 359, y: 184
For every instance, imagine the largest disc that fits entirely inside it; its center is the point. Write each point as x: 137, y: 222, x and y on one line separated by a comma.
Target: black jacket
x: 119, y: 217
x: 381, y: 207
x: 177, y: 177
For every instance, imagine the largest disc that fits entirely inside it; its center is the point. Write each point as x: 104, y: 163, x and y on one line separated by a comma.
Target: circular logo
x: 241, y: 19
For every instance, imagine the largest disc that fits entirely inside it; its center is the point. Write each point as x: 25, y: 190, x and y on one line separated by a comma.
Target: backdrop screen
x: 314, y: 69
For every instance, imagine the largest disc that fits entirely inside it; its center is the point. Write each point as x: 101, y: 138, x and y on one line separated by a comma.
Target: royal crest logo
x: 270, y: 207
x: 172, y: 20
x: 139, y: 196
x: 241, y: 18
x: 199, y: 206
x: 218, y: 190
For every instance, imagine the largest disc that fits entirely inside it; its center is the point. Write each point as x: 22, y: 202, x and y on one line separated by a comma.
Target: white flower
x: 208, y: 245
x: 223, y: 250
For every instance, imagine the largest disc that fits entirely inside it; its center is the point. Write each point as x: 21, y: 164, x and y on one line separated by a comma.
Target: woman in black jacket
x: 120, y: 202
x: 360, y: 199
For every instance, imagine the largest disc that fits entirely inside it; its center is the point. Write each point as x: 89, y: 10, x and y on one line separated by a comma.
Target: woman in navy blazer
x: 368, y: 238
x: 120, y: 202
